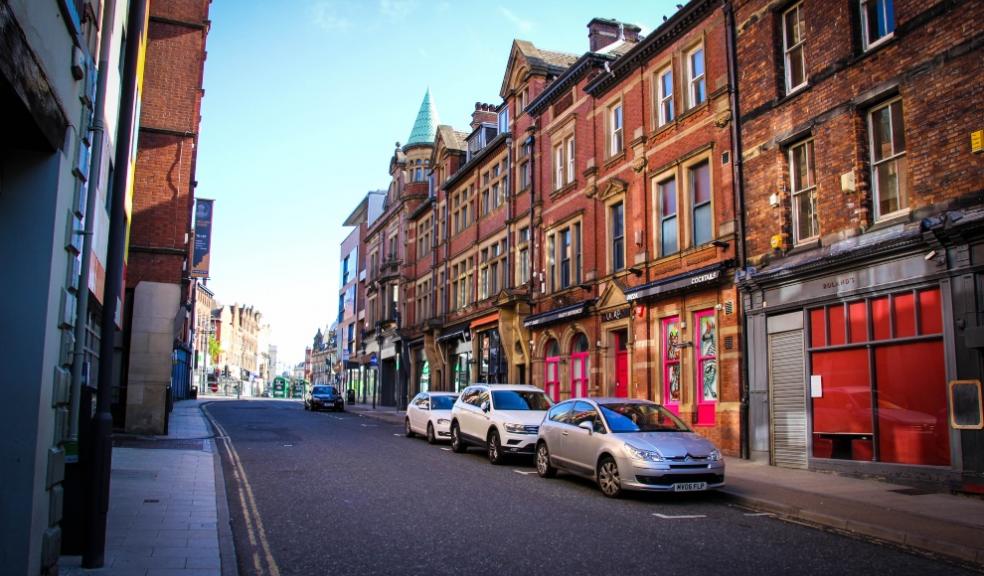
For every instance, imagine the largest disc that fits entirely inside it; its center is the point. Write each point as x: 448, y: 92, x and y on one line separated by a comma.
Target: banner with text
x: 201, y: 254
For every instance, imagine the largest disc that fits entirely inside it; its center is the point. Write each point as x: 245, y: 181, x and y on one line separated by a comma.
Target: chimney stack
x: 603, y: 31
x: 483, y: 114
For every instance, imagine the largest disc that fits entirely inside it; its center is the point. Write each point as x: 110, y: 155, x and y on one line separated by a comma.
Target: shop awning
x: 489, y: 319
x: 701, y: 277
x: 459, y: 332
x: 557, y: 314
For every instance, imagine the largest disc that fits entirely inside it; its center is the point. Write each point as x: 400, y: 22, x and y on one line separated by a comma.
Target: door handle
x: 565, y: 433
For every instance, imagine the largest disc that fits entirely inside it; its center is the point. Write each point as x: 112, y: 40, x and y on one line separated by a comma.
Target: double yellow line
x: 251, y: 514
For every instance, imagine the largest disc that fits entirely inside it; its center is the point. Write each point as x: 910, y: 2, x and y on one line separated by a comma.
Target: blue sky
x: 304, y: 101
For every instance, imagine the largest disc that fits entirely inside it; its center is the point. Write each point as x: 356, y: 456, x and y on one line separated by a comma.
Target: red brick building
x: 157, y: 321
x: 863, y: 214
x: 639, y: 225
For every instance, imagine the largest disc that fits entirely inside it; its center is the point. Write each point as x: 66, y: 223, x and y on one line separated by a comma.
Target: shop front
x: 691, y: 365
x: 562, y: 351
x: 492, y: 365
x: 848, y: 365
x: 456, y: 344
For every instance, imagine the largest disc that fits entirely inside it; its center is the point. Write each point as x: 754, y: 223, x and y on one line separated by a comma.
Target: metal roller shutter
x: 787, y: 389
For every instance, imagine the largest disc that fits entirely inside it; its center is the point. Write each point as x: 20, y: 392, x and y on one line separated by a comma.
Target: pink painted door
x: 672, y: 386
x: 621, y: 364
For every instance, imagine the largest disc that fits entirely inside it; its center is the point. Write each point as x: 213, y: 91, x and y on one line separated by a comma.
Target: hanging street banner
x: 201, y: 252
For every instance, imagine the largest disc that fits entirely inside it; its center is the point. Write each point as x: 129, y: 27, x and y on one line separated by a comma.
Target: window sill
x: 564, y: 190
x: 878, y: 44
x: 791, y: 95
x: 804, y: 246
x: 887, y: 221
x: 692, y: 111
x: 612, y: 160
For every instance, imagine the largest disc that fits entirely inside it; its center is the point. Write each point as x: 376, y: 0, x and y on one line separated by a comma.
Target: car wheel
x: 431, y: 438
x: 409, y: 430
x: 608, y: 479
x: 543, y: 467
x: 494, y: 447
x: 457, y: 445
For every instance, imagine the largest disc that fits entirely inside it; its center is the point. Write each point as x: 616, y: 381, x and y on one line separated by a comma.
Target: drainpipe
x: 106, y: 42
x: 646, y: 244
x: 739, y: 191
x: 97, y: 481
x: 534, y: 236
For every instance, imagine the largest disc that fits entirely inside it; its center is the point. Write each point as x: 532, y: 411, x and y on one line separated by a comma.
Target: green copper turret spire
x: 426, y: 124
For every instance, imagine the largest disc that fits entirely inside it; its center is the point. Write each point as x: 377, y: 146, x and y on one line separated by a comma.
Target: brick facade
x: 861, y: 189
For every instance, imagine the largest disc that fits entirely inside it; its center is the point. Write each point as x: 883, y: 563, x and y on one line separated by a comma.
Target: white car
x: 429, y: 414
x: 501, y: 418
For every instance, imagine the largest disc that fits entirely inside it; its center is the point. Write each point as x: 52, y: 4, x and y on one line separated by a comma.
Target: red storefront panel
x: 912, y: 417
x: 880, y: 318
x: 930, y: 312
x: 838, y: 330
x: 858, y: 313
x: 905, y: 315
x: 845, y: 407
x: 818, y: 328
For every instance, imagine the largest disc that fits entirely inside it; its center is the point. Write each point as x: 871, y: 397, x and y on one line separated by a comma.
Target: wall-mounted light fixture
x: 635, y: 271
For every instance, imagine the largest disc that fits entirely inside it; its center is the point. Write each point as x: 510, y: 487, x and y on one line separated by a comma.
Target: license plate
x: 689, y: 486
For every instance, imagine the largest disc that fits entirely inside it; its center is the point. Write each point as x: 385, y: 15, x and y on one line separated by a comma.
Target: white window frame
x: 866, y: 42
x: 615, y: 139
x: 558, y: 166
x: 893, y: 157
x: 788, y: 49
x: 695, y: 80
x: 663, y: 98
x: 799, y: 189
x: 657, y: 185
x: 569, y: 145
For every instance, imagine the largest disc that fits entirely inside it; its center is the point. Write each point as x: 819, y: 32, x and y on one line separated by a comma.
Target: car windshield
x: 519, y: 400
x: 632, y: 417
x: 323, y: 390
x: 442, y: 402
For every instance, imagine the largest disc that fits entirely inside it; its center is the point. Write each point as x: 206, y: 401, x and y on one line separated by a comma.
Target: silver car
x: 626, y: 444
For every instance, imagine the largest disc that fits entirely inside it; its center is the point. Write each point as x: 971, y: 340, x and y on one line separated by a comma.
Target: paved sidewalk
x: 166, y: 504
x: 943, y: 524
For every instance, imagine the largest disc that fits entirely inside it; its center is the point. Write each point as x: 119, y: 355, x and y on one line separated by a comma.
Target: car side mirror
x: 587, y: 425
x: 485, y: 406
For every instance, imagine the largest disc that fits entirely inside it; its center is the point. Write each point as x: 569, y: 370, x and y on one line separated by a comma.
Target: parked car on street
x: 626, y: 444
x: 501, y: 418
x: 324, y: 398
x: 429, y: 413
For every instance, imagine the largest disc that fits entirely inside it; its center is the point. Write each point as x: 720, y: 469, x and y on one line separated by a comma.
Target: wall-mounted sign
x: 201, y: 250
x: 617, y: 314
x: 966, y: 407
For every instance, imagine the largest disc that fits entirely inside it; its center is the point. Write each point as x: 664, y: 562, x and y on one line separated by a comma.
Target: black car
x: 324, y: 398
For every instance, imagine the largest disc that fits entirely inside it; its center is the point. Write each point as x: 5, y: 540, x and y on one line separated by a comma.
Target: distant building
x: 386, y: 248
x: 239, y: 332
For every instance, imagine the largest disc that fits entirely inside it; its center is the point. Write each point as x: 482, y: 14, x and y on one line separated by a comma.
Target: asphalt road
x: 326, y: 493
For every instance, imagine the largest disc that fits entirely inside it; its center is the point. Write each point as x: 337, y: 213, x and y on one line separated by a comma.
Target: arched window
x: 551, y: 380
x: 579, y: 366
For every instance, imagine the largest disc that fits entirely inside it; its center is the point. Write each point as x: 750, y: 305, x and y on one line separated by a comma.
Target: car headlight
x: 516, y: 428
x: 644, y: 455
x: 715, y: 455
x: 443, y: 421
